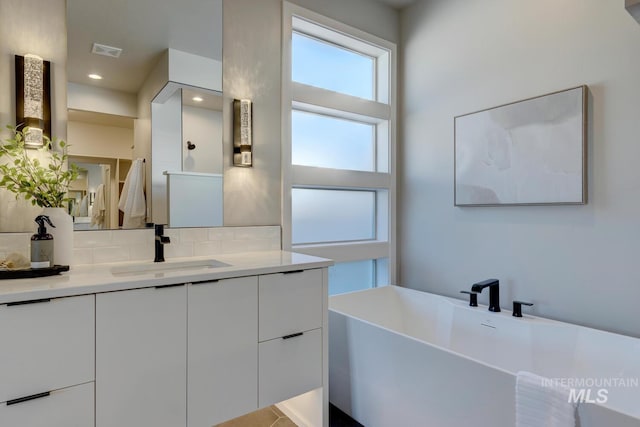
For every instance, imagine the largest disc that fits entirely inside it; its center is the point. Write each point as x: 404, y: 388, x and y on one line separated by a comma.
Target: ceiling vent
x: 104, y: 50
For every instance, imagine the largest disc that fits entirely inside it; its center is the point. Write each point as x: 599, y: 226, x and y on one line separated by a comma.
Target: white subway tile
x: 95, y: 247
x: 259, y: 245
x: 178, y: 250
x: 221, y: 233
x: 82, y: 256
x: 91, y: 239
x: 15, y: 243
x: 235, y: 246
x: 248, y: 233
x: 173, y: 234
x: 194, y: 235
x: 141, y: 251
x: 104, y: 255
x: 211, y: 247
x: 132, y: 237
x: 275, y: 245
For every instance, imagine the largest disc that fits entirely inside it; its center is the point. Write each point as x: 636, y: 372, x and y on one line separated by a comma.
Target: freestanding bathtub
x: 404, y: 358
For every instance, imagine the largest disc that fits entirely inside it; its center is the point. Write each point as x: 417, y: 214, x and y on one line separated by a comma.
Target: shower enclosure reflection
x: 89, y: 195
x: 140, y: 62
x: 100, y: 145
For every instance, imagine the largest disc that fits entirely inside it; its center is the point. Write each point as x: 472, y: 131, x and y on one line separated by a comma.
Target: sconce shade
x: 33, y: 98
x: 242, y: 133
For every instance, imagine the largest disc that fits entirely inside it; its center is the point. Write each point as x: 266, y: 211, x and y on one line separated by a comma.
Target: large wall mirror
x: 138, y: 110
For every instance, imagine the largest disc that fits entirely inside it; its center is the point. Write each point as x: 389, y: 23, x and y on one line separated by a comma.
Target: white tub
x: 399, y: 357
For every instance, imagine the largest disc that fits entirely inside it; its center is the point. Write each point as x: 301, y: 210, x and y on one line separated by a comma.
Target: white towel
x: 539, y: 404
x: 99, y: 207
x: 82, y: 208
x: 132, y: 201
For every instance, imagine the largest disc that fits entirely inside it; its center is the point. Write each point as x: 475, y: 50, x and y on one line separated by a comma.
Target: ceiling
x: 144, y: 29
x: 397, y: 4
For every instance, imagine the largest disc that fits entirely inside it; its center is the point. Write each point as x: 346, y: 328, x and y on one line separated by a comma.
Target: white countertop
x: 90, y: 279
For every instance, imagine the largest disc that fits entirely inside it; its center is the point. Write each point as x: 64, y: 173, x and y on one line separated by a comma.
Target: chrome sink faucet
x: 160, y: 241
x: 494, y: 292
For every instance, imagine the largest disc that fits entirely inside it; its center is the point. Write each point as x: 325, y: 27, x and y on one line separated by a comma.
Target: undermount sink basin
x: 153, y: 267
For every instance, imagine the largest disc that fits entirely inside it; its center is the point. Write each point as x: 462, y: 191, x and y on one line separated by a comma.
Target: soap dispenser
x: 42, y: 244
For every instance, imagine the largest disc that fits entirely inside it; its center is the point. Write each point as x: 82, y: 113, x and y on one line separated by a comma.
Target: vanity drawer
x: 68, y: 407
x: 46, y: 345
x: 289, y: 303
x: 289, y: 367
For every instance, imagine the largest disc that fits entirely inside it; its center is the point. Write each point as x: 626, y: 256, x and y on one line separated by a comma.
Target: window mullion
x: 324, y: 177
x: 316, y: 99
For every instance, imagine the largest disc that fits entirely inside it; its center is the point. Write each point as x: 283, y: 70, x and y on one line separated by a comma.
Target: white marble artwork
x: 529, y: 152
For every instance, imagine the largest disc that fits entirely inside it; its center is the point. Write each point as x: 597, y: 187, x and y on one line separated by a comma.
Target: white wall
x: 88, y: 139
x: 576, y: 263
x: 154, y: 82
x: 367, y: 15
x: 166, y: 151
x: 252, y: 37
x: 203, y: 127
x: 101, y: 100
x: 46, y: 36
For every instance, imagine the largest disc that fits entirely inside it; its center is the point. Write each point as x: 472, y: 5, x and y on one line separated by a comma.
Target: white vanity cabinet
x: 47, y: 362
x: 164, y: 351
x: 290, y: 325
x: 222, y: 348
x: 252, y: 342
x: 67, y: 407
x: 141, y: 358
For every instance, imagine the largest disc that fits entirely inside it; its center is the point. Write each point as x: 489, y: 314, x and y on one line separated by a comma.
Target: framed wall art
x: 530, y: 152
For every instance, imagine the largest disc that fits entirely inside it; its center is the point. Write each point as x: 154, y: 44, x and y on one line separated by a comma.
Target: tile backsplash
x: 99, y: 247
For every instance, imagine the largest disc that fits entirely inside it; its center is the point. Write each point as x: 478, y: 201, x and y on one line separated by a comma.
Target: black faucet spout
x: 160, y: 241
x: 494, y: 292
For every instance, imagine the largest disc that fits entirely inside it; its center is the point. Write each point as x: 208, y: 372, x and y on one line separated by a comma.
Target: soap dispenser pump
x: 42, y: 244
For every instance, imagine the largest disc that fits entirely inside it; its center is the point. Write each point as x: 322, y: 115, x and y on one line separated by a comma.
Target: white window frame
x: 381, y: 111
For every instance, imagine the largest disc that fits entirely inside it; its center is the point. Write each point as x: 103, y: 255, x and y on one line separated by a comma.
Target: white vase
x: 62, y: 235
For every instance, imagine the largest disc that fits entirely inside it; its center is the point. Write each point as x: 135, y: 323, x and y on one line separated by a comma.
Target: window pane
x: 329, y: 142
x: 350, y: 276
x: 331, y: 67
x: 382, y: 271
x: 332, y: 215
x: 358, y: 275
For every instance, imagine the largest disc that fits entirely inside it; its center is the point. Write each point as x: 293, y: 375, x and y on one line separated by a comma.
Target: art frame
x: 527, y: 152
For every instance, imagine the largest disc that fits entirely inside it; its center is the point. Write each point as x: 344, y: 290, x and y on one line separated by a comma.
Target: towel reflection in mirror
x: 99, y: 208
x: 132, y: 200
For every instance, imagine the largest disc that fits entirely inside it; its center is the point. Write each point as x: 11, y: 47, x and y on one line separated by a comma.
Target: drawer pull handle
x: 293, y: 272
x: 286, y: 337
x: 28, y: 398
x: 33, y: 301
x: 169, y: 286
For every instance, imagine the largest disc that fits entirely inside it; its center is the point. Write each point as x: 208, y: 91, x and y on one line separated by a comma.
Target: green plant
x: 44, y: 182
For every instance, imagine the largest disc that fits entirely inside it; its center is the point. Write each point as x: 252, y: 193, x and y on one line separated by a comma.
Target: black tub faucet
x: 160, y: 241
x: 494, y: 292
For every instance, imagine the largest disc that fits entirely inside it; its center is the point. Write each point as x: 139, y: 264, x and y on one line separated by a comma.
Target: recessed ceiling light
x: 197, y: 99
x: 95, y: 76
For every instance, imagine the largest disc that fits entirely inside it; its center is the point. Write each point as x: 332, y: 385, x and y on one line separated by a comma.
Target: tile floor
x: 266, y: 417
x: 273, y: 417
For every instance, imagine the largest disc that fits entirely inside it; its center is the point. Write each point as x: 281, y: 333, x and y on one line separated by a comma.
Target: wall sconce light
x: 242, y: 133
x: 33, y: 98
